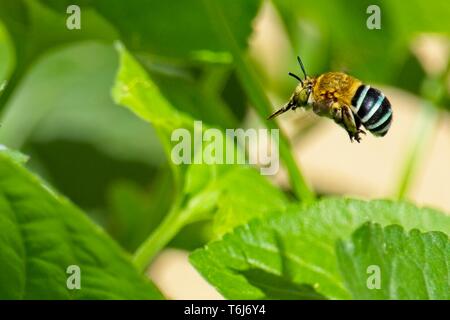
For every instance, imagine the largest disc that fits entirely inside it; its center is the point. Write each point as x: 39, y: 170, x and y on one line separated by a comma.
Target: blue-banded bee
x: 346, y: 100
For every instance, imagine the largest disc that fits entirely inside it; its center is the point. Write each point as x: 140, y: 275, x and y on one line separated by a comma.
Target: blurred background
x: 56, y: 105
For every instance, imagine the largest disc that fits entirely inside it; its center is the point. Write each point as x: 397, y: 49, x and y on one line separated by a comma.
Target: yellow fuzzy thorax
x: 337, y: 86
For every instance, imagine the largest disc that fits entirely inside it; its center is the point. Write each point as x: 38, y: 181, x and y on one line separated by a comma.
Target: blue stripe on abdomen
x: 382, y: 129
x: 373, y: 109
x: 359, y: 97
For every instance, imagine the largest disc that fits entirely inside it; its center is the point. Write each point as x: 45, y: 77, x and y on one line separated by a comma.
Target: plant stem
x: 423, y: 133
x: 162, y: 235
x: 197, y: 209
x: 433, y: 91
x: 254, y: 90
x: 13, y: 81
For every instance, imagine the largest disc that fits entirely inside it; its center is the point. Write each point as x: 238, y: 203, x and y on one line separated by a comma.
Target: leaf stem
x: 12, y: 83
x: 433, y: 91
x: 254, y: 90
x: 162, y: 235
x: 198, y: 208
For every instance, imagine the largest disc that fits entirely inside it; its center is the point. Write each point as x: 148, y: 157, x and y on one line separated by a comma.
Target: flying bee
x: 346, y: 100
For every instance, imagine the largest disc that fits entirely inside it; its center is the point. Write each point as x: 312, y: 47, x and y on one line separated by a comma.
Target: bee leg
x: 336, y: 113
x: 350, y: 125
x: 339, y: 116
x: 343, y: 116
x: 358, y: 125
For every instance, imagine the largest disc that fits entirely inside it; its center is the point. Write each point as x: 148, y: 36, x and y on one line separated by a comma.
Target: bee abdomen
x: 373, y: 109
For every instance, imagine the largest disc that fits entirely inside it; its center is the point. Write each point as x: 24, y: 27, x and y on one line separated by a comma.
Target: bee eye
x: 304, y: 94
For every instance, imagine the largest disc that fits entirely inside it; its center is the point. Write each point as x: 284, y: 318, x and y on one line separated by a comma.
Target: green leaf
x: 202, y: 192
x: 412, y: 265
x: 197, y: 90
x: 64, y: 106
x: 278, y: 287
x: 238, y: 193
x: 136, y: 90
x: 140, y: 29
x: 13, y: 154
x: 34, y: 29
x: 42, y: 234
x: 66, y: 96
x: 244, y: 195
x: 299, y: 245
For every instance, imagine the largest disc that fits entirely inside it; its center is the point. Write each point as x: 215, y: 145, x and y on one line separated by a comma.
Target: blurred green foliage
x: 178, y: 29
x: 178, y: 63
x: 342, y: 40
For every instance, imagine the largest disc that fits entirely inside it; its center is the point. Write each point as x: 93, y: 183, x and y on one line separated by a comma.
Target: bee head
x: 304, y: 88
x: 301, y: 94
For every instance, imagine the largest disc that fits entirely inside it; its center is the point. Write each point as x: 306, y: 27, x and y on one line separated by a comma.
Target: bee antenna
x: 296, y: 77
x: 301, y: 65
